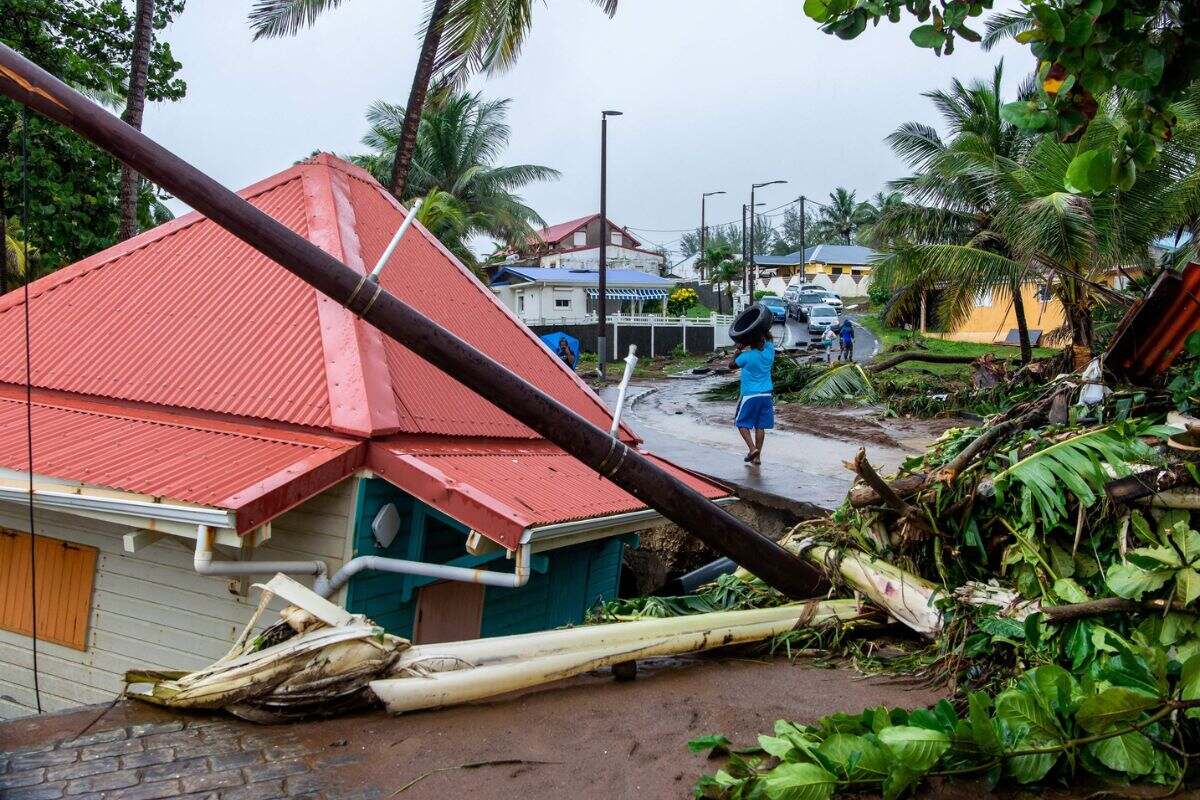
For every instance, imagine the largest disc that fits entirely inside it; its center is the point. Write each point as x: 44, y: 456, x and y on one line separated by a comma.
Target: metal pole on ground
x: 25, y: 82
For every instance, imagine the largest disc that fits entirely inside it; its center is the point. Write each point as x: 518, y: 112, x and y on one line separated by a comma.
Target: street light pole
x: 703, y: 227
x: 753, y: 269
x: 602, y: 294
x: 803, y: 258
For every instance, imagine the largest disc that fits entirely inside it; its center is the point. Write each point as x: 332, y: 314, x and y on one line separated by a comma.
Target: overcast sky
x: 716, y: 95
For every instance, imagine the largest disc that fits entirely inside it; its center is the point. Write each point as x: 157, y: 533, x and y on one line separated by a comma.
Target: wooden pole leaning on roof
x: 27, y: 83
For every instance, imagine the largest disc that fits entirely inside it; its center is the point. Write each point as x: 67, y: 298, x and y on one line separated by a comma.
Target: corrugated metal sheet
x: 186, y: 317
x: 502, y: 488
x: 1155, y: 330
x: 423, y: 276
x: 192, y: 319
x: 211, y: 466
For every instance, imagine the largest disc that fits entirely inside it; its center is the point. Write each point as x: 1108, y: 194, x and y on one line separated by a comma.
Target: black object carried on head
x: 752, y: 324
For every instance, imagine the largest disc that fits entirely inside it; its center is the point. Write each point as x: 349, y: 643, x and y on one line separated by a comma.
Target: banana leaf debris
x: 1045, y: 567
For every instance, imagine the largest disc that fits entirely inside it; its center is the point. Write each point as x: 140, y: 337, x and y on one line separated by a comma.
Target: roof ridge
x: 64, y: 276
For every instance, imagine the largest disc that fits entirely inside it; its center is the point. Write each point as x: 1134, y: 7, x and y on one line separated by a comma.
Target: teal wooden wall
x: 564, y: 585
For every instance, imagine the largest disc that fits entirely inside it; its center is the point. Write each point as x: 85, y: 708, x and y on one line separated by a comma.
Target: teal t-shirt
x: 756, y: 369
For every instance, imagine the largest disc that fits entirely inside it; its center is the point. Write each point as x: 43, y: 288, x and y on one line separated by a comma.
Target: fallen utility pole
x: 25, y: 82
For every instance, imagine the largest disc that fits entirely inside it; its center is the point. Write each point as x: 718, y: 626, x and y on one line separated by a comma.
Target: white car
x: 831, y: 299
x: 821, y: 318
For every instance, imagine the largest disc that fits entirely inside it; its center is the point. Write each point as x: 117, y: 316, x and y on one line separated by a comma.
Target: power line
x: 737, y: 221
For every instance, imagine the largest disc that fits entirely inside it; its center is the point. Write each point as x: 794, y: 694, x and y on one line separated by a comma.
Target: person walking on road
x: 847, y: 341
x: 827, y: 340
x: 755, y: 413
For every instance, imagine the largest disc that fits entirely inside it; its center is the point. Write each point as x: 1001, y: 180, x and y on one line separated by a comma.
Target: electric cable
x: 37, y: 691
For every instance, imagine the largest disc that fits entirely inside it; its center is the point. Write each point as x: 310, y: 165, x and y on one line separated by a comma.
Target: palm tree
x: 14, y: 252
x: 462, y: 37
x: 841, y: 219
x: 714, y: 254
x: 453, y: 168
x: 727, y: 272
x: 139, y: 73
x: 1069, y: 242
x: 954, y: 200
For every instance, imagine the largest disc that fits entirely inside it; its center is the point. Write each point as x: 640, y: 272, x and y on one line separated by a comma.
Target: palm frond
x: 1081, y: 464
x: 842, y: 382
x: 270, y: 18
x: 1005, y: 25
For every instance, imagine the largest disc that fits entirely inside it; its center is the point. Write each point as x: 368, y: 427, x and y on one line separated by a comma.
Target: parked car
x: 822, y: 317
x: 807, y: 299
x: 777, y: 307
x: 832, y: 299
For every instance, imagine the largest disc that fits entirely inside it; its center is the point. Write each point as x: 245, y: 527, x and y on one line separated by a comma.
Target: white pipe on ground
x: 508, y: 580
x: 630, y: 362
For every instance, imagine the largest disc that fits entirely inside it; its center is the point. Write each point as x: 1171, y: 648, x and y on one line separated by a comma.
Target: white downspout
x: 508, y: 580
x: 205, y: 565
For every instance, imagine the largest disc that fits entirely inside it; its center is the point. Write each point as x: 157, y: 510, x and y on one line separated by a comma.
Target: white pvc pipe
x: 395, y: 242
x: 205, y: 565
x: 508, y: 580
x: 630, y: 362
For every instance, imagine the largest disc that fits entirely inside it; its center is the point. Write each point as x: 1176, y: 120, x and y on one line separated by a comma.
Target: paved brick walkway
x: 213, y: 759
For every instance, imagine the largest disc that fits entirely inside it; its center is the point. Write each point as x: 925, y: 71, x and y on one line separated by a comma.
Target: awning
x: 504, y: 488
x: 629, y: 294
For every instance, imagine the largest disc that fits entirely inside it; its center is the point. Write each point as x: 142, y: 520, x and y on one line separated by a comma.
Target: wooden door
x: 448, y: 612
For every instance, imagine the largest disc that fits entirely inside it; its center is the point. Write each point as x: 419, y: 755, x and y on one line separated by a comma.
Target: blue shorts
x: 755, y: 411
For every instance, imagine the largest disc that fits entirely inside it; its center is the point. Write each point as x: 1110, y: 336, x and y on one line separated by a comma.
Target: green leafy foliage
x: 73, y: 186
x: 1036, y: 729
x: 838, y: 383
x: 1085, y: 48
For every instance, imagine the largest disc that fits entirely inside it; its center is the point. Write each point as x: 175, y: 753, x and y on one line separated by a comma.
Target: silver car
x: 821, y: 318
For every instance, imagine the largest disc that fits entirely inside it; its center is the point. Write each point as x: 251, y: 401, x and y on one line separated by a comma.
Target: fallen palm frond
x: 845, y: 381
x: 459, y: 672
x: 302, y: 666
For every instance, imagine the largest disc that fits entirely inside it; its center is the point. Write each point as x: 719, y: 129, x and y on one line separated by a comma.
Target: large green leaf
x: 1113, y: 706
x: 1021, y: 712
x: 776, y: 746
x: 1131, y: 753
x: 1031, y: 768
x: 983, y: 730
x: 791, y: 781
x: 1090, y: 171
x: 1130, y: 581
x: 927, y: 36
x: 918, y: 749
x: 855, y: 757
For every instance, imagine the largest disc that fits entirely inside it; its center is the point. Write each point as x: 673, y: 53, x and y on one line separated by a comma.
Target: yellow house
x: 992, y: 318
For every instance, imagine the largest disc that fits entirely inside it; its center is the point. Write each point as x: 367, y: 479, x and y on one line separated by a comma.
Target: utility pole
x: 704, y: 228
x: 803, y: 258
x: 753, y: 269
x: 602, y: 294
x: 744, y: 258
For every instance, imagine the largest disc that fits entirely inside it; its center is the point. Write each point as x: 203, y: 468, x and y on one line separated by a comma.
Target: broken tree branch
x: 985, y: 442
x: 1141, y: 485
x: 913, y: 355
x: 862, y: 467
x: 904, y: 486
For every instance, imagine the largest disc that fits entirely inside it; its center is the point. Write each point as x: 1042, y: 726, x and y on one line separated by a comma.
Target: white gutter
x: 508, y: 580
x: 72, y: 502
x: 549, y: 537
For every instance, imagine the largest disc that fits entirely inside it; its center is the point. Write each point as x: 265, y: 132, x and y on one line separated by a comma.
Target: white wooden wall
x: 151, y: 609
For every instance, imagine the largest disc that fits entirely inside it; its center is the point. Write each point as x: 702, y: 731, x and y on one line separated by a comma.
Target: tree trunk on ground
x: 135, y: 105
x: 1022, y: 324
x: 416, y: 98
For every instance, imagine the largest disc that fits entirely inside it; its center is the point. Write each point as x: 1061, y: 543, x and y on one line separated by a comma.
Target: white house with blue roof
x: 556, y: 294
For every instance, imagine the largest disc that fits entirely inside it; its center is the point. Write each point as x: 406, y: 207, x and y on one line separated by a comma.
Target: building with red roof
x: 576, y: 245
x: 184, y: 387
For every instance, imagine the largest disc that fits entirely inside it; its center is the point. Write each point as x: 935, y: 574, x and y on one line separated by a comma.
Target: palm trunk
x: 139, y: 68
x: 416, y: 98
x: 4, y: 255
x: 1022, y: 325
x: 1080, y: 318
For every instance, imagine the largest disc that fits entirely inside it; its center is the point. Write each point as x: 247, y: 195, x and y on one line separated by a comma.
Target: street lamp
x: 703, y: 227
x: 745, y: 248
x: 601, y: 294
x: 753, y: 266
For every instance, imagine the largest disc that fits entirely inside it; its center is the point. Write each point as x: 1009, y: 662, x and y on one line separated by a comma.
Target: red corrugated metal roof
x: 186, y: 320
x: 556, y: 232
x: 503, y: 488
x: 254, y: 472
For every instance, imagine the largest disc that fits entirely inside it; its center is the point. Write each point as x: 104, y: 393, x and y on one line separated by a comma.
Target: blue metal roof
x: 850, y: 254
x: 579, y: 277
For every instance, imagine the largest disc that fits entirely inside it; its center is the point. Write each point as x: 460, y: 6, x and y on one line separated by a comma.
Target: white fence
x: 654, y: 334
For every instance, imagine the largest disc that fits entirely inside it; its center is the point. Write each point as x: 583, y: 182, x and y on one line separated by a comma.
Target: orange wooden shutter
x: 65, y: 574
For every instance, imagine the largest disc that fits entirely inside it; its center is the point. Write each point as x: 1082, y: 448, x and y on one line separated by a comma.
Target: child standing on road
x: 827, y: 339
x: 847, y: 341
x: 756, y: 407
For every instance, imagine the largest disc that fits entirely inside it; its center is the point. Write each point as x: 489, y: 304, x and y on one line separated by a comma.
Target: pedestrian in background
x: 827, y: 340
x: 847, y: 341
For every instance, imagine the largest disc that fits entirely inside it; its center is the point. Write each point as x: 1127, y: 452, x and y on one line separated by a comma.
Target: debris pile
x: 1048, y: 563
